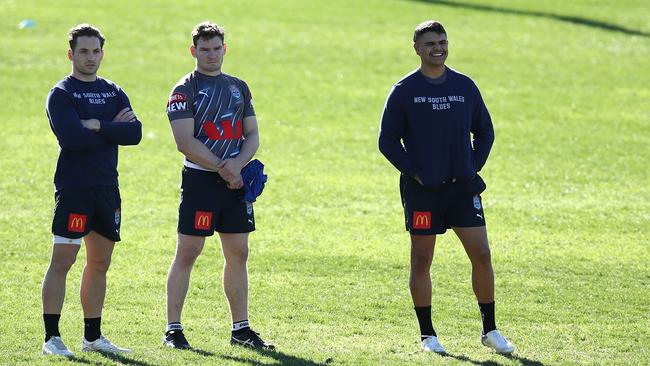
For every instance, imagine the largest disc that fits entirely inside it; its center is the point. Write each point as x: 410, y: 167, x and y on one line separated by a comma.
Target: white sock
x: 174, y: 326
x: 240, y: 325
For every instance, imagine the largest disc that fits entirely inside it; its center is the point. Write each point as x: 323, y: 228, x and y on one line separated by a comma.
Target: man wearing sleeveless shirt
x: 90, y: 117
x: 425, y: 133
x: 214, y: 126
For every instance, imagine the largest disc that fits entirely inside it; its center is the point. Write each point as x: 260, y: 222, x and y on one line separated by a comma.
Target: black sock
x: 424, y: 318
x: 92, y: 328
x: 240, y: 327
x: 51, y: 325
x: 487, y: 316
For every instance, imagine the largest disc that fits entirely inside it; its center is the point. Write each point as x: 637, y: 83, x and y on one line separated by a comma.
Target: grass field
x: 568, y: 199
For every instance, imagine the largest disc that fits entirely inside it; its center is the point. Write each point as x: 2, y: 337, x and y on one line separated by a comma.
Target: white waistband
x: 189, y: 164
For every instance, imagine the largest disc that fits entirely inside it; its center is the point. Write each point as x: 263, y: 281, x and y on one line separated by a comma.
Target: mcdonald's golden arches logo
x: 202, y: 220
x: 421, y: 220
x: 76, y: 223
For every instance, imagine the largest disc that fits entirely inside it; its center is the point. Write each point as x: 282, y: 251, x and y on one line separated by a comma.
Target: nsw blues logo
x: 477, y: 202
x: 234, y: 90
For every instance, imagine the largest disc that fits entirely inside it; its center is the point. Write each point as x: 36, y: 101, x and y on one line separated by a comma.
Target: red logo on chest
x: 227, y: 130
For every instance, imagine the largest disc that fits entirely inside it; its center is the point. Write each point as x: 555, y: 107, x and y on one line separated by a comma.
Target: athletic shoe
x: 55, y: 346
x: 494, y: 339
x: 431, y: 344
x: 250, y: 338
x: 176, y: 339
x: 102, y: 344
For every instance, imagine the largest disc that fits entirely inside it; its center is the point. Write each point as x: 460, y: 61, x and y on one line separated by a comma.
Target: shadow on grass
x: 280, y: 357
x: 469, y: 360
x: 78, y: 359
x: 564, y: 18
x: 120, y: 358
x: 201, y: 352
x: 523, y: 360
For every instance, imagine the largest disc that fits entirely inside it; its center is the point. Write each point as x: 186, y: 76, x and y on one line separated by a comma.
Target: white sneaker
x: 55, y: 346
x: 102, y: 344
x: 494, y: 339
x: 431, y: 344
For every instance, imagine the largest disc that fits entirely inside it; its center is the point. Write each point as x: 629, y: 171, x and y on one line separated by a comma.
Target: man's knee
x: 186, y: 258
x: 421, y: 253
x: 421, y: 257
x: 63, y: 257
x: 61, y: 264
x: 482, y: 256
x: 186, y: 255
x: 100, y: 265
x: 236, y: 255
x: 421, y: 262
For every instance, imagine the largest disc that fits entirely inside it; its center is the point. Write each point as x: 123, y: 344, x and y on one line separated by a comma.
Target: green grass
x: 568, y: 199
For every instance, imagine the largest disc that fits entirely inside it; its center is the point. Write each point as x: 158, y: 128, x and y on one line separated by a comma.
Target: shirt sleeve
x: 482, y: 131
x: 248, y: 102
x: 391, y: 132
x: 180, y: 102
x: 66, y: 124
x: 122, y: 133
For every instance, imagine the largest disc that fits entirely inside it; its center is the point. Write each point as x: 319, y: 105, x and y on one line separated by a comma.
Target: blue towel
x: 254, y: 179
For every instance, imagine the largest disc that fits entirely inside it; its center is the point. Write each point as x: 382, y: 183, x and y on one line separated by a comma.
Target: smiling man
x: 90, y: 117
x: 425, y: 133
x: 214, y: 126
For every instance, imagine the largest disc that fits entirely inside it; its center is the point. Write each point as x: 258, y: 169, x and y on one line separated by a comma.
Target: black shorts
x: 429, y: 211
x: 77, y: 211
x: 208, y: 205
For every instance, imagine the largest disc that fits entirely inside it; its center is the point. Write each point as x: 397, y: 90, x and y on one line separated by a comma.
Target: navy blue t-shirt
x: 218, y: 105
x: 426, y: 126
x: 88, y: 158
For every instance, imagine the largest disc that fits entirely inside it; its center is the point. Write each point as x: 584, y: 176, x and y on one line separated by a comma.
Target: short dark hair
x: 428, y: 26
x: 84, y: 30
x: 207, y: 30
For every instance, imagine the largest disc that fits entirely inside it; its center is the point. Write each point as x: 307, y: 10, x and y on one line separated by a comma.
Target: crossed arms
x: 76, y: 134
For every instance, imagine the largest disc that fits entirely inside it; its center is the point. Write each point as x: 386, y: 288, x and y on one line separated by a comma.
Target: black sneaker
x: 250, y: 338
x: 176, y: 339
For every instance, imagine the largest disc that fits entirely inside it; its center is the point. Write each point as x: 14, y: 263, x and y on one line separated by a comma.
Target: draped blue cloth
x: 254, y: 179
